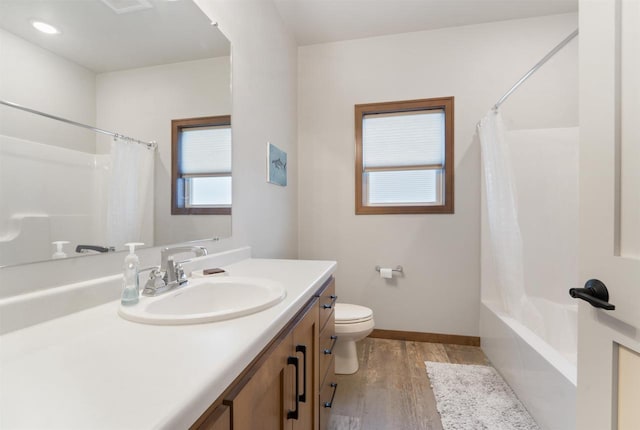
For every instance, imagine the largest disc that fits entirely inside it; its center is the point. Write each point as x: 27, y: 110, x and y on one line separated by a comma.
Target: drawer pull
x: 333, y: 344
x: 335, y: 388
x: 294, y: 414
x: 303, y: 349
x: 333, y: 298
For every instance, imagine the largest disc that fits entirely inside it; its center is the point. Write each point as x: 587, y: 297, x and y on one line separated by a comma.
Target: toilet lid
x: 348, y: 313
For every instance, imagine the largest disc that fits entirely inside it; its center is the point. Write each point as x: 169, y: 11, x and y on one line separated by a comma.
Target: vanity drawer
x: 327, y: 397
x: 327, y: 303
x: 327, y: 343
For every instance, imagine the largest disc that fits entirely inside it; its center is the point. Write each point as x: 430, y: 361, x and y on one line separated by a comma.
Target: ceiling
x: 95, y: 36
x: 321, y: 21
x: 170, y: 31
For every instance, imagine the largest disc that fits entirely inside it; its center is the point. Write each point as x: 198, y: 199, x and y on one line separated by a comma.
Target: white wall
x: 264, y: 67
x: 36, y: 78
x: 440, y: 289
x: 142, y: 102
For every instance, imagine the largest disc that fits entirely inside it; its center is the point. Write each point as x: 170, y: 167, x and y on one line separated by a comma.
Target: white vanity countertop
x: 93, y: 369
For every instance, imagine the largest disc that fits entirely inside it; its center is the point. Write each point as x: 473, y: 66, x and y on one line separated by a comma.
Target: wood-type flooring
x: 391, y: 390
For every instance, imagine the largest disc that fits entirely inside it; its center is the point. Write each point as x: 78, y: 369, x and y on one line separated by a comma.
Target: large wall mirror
x: 129, y: 67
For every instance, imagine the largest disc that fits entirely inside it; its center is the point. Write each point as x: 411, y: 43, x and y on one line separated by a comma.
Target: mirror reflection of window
x: 201, y: 165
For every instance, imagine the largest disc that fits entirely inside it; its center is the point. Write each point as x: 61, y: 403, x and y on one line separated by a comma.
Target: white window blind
x: 403, y: 158
x: 403, y: 139
x: 205, y: 150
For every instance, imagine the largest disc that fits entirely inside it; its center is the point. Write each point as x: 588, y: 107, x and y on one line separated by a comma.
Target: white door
x: 609, y: 340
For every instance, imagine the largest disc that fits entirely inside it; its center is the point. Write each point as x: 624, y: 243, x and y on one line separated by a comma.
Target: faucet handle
x: 155, y: 273
x: 156, y: 283
x: 181, y: 277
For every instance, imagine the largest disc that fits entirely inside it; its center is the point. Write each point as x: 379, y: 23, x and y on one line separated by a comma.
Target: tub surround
x: 528, y: 322
x: 93, y: 369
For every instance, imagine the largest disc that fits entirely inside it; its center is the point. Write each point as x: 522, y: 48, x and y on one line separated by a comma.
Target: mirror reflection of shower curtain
x: 130, y: 179
x: 505, y: 235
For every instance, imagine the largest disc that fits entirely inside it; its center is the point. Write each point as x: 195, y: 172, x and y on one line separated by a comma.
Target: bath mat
x: 472, y: 397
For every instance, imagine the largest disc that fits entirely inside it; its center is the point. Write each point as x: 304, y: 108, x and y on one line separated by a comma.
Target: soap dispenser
x: 130, y: 283
x: 59, y: 252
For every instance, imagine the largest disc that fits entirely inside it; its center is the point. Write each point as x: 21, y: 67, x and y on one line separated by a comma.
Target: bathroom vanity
x: 268, y: 395
x: 93, y: 369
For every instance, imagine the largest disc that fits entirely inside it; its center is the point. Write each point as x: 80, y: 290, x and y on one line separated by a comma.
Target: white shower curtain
x: 130, y: 179
x: 505, y: 236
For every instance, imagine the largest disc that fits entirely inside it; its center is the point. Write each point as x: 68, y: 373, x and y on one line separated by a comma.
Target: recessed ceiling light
x: 44, y: 27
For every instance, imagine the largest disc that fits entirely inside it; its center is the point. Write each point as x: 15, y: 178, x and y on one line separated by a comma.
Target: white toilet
x: 353, y: 323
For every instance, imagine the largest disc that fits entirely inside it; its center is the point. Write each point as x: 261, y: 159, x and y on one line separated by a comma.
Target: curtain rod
x: 150, y: 145
x: 535, y: 68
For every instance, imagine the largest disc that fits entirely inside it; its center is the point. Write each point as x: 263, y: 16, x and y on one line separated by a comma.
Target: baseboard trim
x: 416, y: 336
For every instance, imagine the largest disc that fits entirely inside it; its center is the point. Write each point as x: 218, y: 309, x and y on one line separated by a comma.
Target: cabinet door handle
x: 335, y: 388
x: 333, y: 298
x: 333, y: 344
x: 303, y: 349
x: 294, y: 413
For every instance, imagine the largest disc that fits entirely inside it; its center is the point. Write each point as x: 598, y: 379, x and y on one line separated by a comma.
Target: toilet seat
x: 346, y: 313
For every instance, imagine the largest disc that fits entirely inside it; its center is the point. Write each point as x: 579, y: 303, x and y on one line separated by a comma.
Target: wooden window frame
x: 177, y: 186
x: 444, y: 103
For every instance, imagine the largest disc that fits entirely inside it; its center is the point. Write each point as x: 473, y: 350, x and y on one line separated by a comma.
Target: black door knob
x: 594, y: 292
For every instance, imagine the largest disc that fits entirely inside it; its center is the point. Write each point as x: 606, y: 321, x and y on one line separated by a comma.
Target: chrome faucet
x: 170, y: 274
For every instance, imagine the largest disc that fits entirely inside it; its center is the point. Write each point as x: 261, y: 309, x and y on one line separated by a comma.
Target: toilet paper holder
x: 397, y: 269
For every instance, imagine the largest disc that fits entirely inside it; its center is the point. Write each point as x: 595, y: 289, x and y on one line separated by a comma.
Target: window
x: 201, y: 165
x: 404, y: 157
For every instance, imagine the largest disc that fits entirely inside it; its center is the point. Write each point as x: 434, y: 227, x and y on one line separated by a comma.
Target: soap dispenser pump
x: 130, y: 283
x: 59, y: 252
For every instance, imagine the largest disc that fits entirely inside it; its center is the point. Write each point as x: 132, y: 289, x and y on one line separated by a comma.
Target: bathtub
x: 542, y: 373
x: 528, y: 265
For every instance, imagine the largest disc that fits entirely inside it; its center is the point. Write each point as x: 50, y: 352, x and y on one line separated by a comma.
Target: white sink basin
x: 206, y: 300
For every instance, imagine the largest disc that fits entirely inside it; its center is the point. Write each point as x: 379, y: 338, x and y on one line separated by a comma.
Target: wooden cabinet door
x: 263, y: 403
x: 220, y: 419
x: 275, y: 397
x: 305, y: 347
